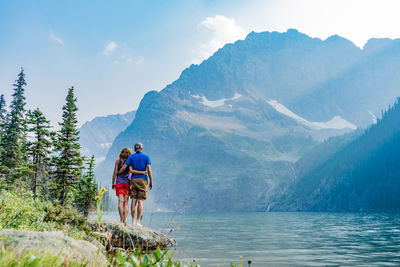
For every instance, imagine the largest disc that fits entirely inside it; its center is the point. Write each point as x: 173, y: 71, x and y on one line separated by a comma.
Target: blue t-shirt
x: 138, y: 161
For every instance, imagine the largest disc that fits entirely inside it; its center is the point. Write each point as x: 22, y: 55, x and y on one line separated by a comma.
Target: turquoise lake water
x: 281, y: 238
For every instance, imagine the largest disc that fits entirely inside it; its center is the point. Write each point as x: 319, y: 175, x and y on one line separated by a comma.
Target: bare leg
x: 140, y: 211
x: 133, y: 210
x: 121, y: 207
x: 126, y: 208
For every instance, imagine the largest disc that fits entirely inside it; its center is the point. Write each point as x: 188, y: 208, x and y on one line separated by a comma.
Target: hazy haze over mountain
x: 97, y: 135
x: 361, y: 175
x: 233, y: 126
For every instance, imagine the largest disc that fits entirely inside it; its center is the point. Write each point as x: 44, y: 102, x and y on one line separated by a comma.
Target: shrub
x: 21, y: 210
x: 62, y: 214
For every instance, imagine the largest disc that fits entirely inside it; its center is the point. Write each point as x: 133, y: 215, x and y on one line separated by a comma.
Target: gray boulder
x: 117, y: 235
x: 55, y: 243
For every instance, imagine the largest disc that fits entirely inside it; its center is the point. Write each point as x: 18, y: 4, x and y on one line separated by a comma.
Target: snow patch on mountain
x: 285, y: 111
x: 336, y: 122
x: 215, y: 103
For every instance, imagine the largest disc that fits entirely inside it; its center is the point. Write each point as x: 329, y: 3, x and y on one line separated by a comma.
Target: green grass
x: 135, y: 259
x: 139, y: 259
x: 22, y: 211
x: 30, y: 259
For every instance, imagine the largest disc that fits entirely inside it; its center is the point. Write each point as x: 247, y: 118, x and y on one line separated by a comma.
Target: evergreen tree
x: 13, y: 141
x: 69, y: 161
x: 3, y: 112
x: 86, y: 189
x: 3, y: 116
x: 39, y: 149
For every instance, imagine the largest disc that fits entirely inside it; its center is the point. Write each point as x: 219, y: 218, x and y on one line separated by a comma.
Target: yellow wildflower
x: 102, y: 190
x: 97, y: 198
x: 241, y: 257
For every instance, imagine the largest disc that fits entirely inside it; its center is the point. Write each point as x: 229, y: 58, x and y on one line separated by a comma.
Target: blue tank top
x: 124, y: 177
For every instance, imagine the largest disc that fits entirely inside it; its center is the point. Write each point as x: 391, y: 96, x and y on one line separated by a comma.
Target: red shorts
x: 122, y: 189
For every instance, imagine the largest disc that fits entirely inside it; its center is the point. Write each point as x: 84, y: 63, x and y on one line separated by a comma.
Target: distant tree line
x: 35, y: 158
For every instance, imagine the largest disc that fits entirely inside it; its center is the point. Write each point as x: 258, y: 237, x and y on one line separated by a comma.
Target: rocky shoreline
x: 107, y: 237
x: 117, y: 235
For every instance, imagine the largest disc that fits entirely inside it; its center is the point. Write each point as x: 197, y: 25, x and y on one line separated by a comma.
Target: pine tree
x: 69, y: 161
x: 3, y: 116
x: 39, y: 149
x: 86, y: 189
x: 13, y: 141
x: 3, y: 112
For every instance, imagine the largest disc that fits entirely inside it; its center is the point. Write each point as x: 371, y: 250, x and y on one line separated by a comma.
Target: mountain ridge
x: 198, y: 117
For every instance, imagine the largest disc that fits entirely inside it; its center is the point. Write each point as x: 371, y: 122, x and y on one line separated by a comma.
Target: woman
x: 121, y: 186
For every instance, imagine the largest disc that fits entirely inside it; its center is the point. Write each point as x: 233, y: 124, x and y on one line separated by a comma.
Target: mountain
x: 227, y: 133
x: 97, y: 135
x: 362, y: 175
x: 365, y: 88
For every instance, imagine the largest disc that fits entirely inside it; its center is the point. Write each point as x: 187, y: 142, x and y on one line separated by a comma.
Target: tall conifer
x: 39, y: 149
x: 13, y: 141
x: 86, y: 189
x: 3, y: 116
x: 3, y: 112
x: 69, y: 161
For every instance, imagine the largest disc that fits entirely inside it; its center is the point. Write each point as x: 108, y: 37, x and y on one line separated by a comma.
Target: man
x: 138, y: 184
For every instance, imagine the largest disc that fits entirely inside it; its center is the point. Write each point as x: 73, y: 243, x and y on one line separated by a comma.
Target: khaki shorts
x: 138, y: 188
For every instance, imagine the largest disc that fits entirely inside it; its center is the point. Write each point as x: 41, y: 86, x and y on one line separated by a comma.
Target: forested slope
x: 364, y: 175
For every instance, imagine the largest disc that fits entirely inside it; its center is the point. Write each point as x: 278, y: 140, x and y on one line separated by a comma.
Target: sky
x: 113, y: 52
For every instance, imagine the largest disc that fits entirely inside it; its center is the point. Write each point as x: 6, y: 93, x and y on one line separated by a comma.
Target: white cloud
x: 225, y: 30
x: 124, y: 55
x: 129, y: 59
x: 138, y: 61
x: 109, y: 49
x: 56, y: 38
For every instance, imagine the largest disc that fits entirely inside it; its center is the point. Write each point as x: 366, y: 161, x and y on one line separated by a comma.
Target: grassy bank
x: 10, y: 258
x: 22, y: 211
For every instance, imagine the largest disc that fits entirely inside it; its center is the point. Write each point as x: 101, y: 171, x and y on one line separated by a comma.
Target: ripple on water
x: 283, y: 239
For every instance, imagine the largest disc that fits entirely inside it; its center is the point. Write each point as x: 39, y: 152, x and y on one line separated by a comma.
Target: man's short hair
x: 138, y: 146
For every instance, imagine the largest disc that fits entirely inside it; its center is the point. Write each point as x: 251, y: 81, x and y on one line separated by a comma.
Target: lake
x: 281, y: 238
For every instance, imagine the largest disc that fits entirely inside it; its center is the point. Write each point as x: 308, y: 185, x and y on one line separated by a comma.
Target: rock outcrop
x: 55, y: 243
x: 116, y: 235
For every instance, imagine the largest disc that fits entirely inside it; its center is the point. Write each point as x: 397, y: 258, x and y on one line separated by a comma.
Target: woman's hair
x: 124, y: 154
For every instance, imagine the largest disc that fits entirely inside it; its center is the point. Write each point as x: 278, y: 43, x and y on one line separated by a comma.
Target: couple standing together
x: 130, y: 178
